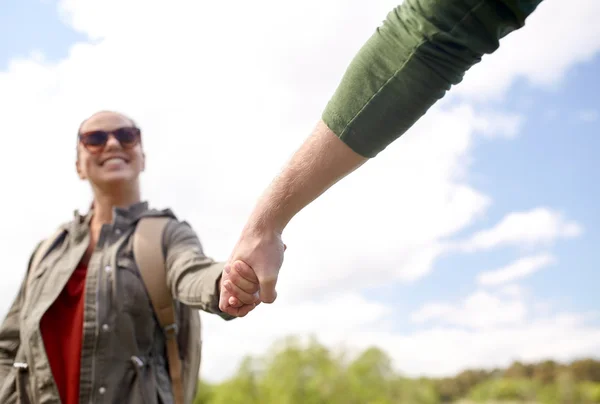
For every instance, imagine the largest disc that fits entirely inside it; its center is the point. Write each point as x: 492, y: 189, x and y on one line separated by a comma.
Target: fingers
x: 238, y: 291
x: 244, y: 285
x: 241, y: 283
x: 242, y: 276
x: 240, y: 294
x: 242, y: 310
x: 224, y: 296
x: 235, y: 302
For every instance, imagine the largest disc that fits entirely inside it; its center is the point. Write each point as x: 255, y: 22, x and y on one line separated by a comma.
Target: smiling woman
x: 113, y: 157
x: 82, y: 327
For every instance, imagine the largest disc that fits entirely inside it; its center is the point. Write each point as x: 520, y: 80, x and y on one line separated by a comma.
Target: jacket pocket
x: 131, y: 290
x: 143, y: 388
x: 8, y: 388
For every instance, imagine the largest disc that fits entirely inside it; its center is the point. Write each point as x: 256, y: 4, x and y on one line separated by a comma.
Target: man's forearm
x: 320, y: 162
x: 421, y: 50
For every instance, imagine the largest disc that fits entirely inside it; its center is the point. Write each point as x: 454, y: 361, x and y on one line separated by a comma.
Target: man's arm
x: 421, y: 50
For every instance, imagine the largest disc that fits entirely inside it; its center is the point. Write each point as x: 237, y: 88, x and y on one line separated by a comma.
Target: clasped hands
x: 250, y: 275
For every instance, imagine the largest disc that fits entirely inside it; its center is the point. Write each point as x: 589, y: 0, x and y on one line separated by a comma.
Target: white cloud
x: 224, y: 95
x: 444, y: 351
x: 539, y: 226
x: 512, y: 290
x: 481, y: 310
x: 516, y: 270
x: 488, y: 330
x: 570, y: 36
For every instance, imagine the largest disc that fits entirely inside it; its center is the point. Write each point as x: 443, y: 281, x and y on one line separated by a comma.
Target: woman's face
x: 116, y: 159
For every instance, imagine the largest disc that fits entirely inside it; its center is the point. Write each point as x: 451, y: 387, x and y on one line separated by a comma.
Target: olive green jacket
x: 118, y: 316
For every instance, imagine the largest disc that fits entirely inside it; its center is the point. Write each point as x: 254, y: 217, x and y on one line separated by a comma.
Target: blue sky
x: 33, y: 25
x: 554, y: 162
x: 551, y: 163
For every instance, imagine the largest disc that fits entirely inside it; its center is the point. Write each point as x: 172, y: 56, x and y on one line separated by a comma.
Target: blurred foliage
x: 293, y: 372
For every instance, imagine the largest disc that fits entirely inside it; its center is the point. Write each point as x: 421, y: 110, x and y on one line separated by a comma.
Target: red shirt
x: 62, y: 332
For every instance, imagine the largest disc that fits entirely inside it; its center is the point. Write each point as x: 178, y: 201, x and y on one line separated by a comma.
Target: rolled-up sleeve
x: 422, y: 48
x: 192, y: 276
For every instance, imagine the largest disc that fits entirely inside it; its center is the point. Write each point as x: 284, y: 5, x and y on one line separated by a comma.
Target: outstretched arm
x: 193, y: 277
x: 410, y: 62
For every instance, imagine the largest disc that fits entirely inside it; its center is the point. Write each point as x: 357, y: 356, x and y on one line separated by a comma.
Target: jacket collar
x: 123, y: 217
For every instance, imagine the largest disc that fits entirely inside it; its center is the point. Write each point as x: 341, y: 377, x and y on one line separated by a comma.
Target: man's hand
x: 257, y: 258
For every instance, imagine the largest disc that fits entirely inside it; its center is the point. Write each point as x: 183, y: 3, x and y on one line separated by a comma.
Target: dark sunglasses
x: 96, y: 140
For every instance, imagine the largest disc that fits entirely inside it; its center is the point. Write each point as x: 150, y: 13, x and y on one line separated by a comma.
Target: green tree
x: 310, y: 375
x: 568, y: 390
x: 242, y: 388
x: 518, y: 370
x: 467, y: 379
x: 205, y: 393
x: 370, y: 377
x: 448, y: 389
x: 586, y: 370
x: 545, y: 372
x: 504, y: 390
x: 420, y: 391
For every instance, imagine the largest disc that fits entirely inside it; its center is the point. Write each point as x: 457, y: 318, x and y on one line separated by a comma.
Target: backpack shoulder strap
x: 148, y: 253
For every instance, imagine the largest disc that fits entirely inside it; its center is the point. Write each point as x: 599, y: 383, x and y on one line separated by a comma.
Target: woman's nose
x: 112, y: 142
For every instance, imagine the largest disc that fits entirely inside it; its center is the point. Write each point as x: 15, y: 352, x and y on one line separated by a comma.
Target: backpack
x: 183, y: 344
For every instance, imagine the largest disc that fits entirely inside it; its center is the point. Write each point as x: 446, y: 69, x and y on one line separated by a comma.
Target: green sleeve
x: 411, y: 61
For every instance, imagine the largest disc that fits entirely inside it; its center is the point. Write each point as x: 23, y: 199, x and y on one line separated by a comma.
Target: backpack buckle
x: 171, y: 330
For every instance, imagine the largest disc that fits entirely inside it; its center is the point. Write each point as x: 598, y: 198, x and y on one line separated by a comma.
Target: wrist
x: 262, y: 227
x: 269, y: 216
